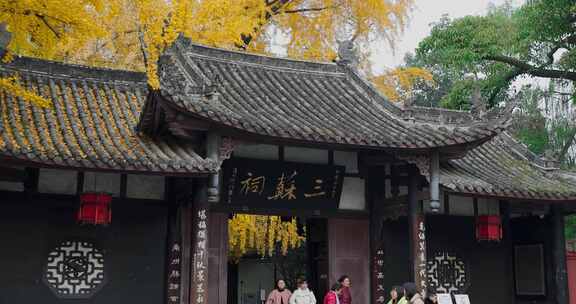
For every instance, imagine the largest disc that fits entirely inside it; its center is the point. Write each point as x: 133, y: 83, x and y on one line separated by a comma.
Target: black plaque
x: 283, y: 185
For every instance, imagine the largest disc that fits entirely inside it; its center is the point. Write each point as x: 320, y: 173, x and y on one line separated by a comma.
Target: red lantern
x: 488, y: 228
x: 95, y: 209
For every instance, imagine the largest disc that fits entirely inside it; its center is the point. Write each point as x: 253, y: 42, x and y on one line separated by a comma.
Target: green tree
x: 529, y: 125
x: 486, y: 54
x: 536, y: 40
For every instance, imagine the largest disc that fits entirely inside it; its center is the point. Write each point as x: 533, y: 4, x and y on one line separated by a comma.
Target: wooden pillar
x: 200, y: 223
x: 507, y: 242
x: 435, y: 181
x: 376, y: 195
x: 176, y: 276
x: 218, y: 259
x: 417, y: 237
x: 185, y: 216
x: 559, y: 254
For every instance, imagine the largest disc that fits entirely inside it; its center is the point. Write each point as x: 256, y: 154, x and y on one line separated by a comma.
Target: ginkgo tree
x: 132, y: 34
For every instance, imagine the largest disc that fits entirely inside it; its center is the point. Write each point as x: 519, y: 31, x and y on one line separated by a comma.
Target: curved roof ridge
x: 188, y: 46
x: 520, y: 149
x: 503, y: 167
x: 286, y: 99
x: 52, y: 68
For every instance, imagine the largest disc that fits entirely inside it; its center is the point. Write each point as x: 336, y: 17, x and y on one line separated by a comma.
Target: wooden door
x: 349, y: 254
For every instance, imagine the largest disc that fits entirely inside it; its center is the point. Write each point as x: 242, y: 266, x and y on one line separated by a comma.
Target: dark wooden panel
x: 134, y: 248
x: 529, y: 270
x: 486, y: 263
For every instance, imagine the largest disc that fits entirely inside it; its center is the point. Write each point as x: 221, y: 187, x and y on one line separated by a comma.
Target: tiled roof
x: 505, y: 168
x: 306, y: 102
x: 91, y: 124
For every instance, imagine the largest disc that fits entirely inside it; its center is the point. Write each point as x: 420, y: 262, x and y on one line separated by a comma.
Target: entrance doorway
x: 252, y: 276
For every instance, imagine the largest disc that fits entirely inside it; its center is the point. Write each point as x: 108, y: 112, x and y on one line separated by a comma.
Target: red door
x: 571, y: 261
x: 349, y: 253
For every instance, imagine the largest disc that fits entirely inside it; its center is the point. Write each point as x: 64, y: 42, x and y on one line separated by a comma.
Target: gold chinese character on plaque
x: 285, y: 188
x: 317, y: 189
x: 252, y: 184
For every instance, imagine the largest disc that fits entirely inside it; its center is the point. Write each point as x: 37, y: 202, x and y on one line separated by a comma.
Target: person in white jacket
x: 302, y: 295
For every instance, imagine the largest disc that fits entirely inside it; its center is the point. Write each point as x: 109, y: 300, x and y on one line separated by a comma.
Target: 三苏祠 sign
x: 278, y: 184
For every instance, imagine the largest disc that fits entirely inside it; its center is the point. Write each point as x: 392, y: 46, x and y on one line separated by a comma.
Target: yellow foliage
x: 132, y: 34
x: 314, y: 26
x: 261, y: 234
x: 10, y: 84
x: 397, y: 84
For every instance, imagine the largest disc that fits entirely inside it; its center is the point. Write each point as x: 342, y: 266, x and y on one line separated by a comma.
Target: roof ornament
x: 209, y: 90
x: 550, y: 159
x: 347, y: 54
x: 478, y: 108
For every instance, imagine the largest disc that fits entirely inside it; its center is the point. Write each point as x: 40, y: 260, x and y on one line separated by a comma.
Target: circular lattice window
x: 448, y: 273
x: 75, y: 269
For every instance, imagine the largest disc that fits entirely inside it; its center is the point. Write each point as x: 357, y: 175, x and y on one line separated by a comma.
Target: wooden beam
x: 507, y: 242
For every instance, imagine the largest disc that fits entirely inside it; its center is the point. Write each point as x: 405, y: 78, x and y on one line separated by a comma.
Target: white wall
x: 102, y: 182
x: 305, y: 155
x: 257, y: 151
x: 353, y: 194
x: 11, y: 186
x: 145, y: 186
x: 57, y: 181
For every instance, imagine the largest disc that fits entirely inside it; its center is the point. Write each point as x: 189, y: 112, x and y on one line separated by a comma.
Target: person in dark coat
x: 345, y: 296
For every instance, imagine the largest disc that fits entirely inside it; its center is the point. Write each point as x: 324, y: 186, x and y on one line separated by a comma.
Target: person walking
x: 331, y: 296
x: 345, y: 295
x: 397, y: 296
x: 302, y: 295
x: 411, y: 293
x: 280, y: 294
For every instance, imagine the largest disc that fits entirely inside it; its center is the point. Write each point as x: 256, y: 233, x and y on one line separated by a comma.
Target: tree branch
x: 53, y: 30
x: 529, y: 69
x: 507, y: 79
x: 552, y: 52
x: 567, y: 145
x: 309, y: 9
x: 275, y: 7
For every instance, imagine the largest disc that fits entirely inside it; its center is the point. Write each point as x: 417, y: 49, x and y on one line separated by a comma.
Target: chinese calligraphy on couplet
x: 174, y: 274
x: 378, y: 273
x: 200, y: 257
x: 421, y: 273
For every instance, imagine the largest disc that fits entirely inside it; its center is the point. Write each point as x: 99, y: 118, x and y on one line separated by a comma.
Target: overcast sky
x: 427, y: 12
